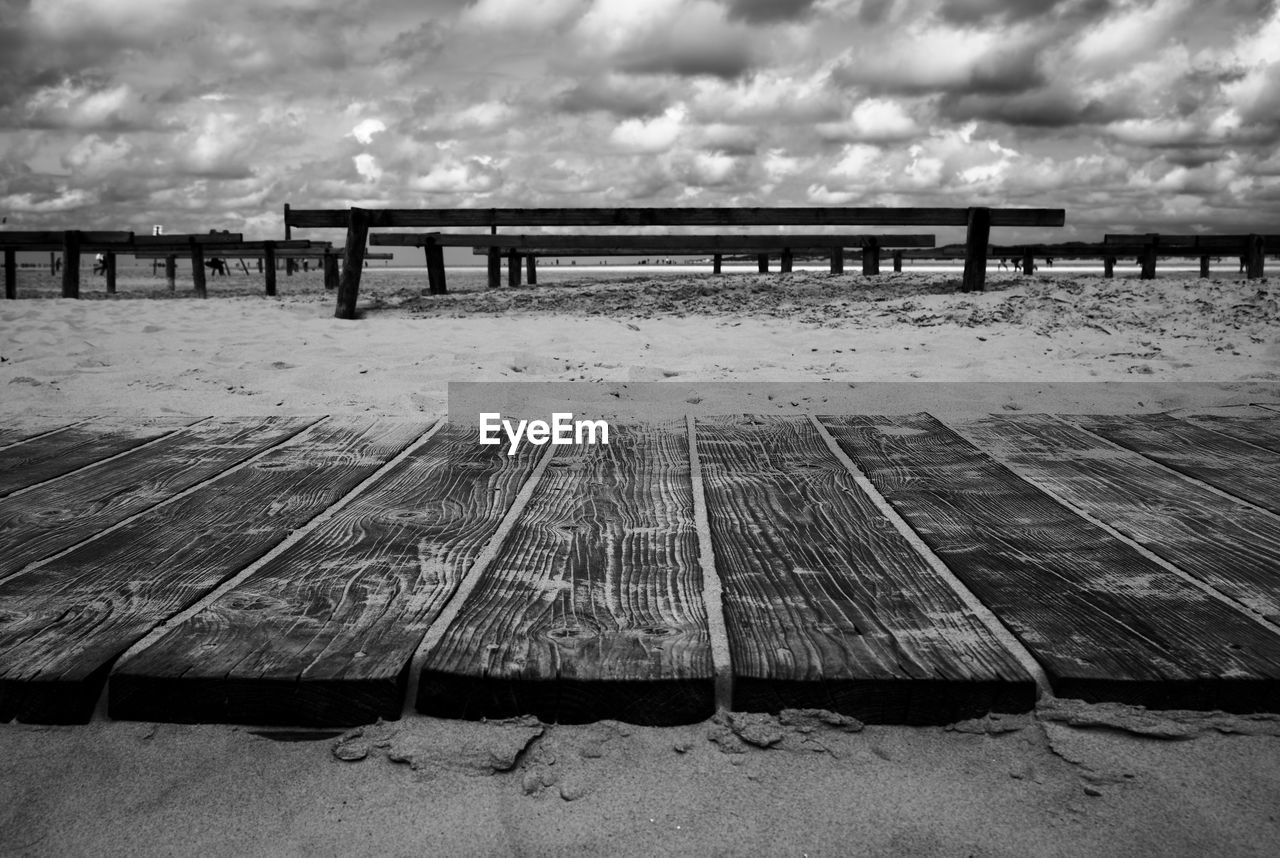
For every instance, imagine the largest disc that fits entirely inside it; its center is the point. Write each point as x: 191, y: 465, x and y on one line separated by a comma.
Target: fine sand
x: 1068, y: 780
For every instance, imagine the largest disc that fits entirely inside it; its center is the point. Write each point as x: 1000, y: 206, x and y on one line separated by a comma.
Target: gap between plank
x: 292, y: 539
x: 179, y: 496
x: 436, y: 631
x: 712, y: 589
x: 52, y: 431
x: 1204, y: 587
x: 972, y: 602
x: 91, y: 465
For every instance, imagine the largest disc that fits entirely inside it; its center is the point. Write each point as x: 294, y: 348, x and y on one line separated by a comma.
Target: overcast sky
x: 1130, y: 114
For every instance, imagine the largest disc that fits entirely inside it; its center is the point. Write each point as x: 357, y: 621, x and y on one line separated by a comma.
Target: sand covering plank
x: 1248, y: 472
x: 70, y: 449
x: 592, y: 607
x: 323, y: 633
x: 56, y: 515
x: 63, y: 622
x: 1231, y: 546
x: 1105, y: 622
x: 827, y: 605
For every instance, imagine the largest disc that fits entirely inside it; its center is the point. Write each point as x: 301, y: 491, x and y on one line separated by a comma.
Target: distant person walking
x: 100, y: 264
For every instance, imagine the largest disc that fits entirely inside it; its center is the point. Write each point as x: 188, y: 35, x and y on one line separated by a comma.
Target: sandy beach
x: 1066, y: 780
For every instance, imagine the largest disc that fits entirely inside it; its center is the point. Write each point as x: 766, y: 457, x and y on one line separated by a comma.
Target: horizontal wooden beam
x: 548, y: 244
x: 246, y: 248
x: 726, y: 216
x: 178, y: 239
x: 1226, y: 243
x: 54, y: 239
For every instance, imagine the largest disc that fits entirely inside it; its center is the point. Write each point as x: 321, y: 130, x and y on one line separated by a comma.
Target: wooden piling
x: 1028, y: 263
x: 531, y: 269
x: 978, y: 234
x: 197, y: 269
x: 269, y: 258
x: 871, y: 258
x: 837, y: 260
x: 1109, y: 267
x: 716, y: 262
x: 785, y: 265
x: 71, y: 264
x: 53, y: 263
x: 331, y: 275
x: 259, y: 264
x: 10, y: 274
x: 897, y: 261
x: 1204, y: 266
x: 1253, y: 255
x: 1149, y: 258
x: 762, y: 263
x: 109, y: 265
x: 435, y: 270
x: 352, y: 263
x: 495, y: 268
x: 513, y: 268
x: 171, y: 272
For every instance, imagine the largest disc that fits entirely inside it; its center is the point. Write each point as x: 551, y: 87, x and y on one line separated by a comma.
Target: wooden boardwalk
x: 899, y: 569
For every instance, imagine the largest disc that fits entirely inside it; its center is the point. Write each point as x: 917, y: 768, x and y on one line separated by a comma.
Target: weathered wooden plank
x: 324, y: 632
x: 685, y: 216
x: 592, y: 608
x: 65, y: 621
x: 1250, y: 424
x: 53, y: 239
x: 1105, y: 622
x: 56, y: 515
x: 20, y: 430
x: 1247, y: 472
x: 1230, y: 546
x: 635, y: 243
x: 826, y: 604
x: 73, y: 448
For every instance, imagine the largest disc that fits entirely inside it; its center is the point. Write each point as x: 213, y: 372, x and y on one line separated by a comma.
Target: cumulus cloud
x: 879, y: 120
x: 364, y: 131
x: 649, y: 136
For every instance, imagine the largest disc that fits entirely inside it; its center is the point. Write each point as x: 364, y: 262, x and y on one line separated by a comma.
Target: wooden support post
x: 1253, y: 264
x: 975, y: 251
x: 871, y: 258
x: 10, y: 273
x: 352, y: 263
x: 71, y: 264
x: 269, y: 257
x: 897, y: 261
x: 53, y: 263
x: 109, y: 263
x: 495, y: 268
x: 331, y: 275
x: 1204, y: 266
x: 259, y: 264
x: 837, y: 260
x: 531, y: 269
x: 1149, y: 258
x: 1028, y: 263
x: 716, y: 262
x: 171, y: 271
x: 1108, y: 267
x: 197, y: 269
x: 785, y: 265
x: 435, y: 270
x: 762, y: 263
x: 513, y: 268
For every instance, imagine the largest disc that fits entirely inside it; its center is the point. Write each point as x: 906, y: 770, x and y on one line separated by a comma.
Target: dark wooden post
x: 1204, y: 266
x: 762, y: 263
x: 1108, y: 266
x: 269, y: 259
x: 897, y: 261
x: 1149, y: 257
x: 513, y: 268
x: 109, y: 261
x: 1028, y: 263
x: 71, y: 264
x: 259, y: 264
x: 975, y: 250
x: 531, y: 269
x: 785, y: 265
x: 10, y: 273
x: 1253, y: 254
x: 331, y: 275
x: 837, y: 260
x: 53, y: 263
x: 495, y: 268
x: 288, y: 234
x: 352, y: 263
x: 716, y: 262
x: 435, y: 270
x: 197, y: 269
x: 871, y: 257
x: 171, y: 271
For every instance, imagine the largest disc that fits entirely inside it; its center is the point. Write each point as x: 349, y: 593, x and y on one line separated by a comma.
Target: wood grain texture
x: 18, y: 430
x: 592, y: 607
x: 1247, y: 472
x: 73, y: 448
x: 323, y: 633
x: 1250, y: 424
x: 63, y: 623
x: 1105, y: 622
x: 1230, y: 546
x: 827, y: 604
x: 58, y: 514
x: 548, y: 244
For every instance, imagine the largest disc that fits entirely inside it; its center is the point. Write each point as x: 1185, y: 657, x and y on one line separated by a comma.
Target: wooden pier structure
x: 895, y: 568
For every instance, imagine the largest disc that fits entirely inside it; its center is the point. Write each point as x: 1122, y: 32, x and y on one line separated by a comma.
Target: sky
x: 1133, y: 115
